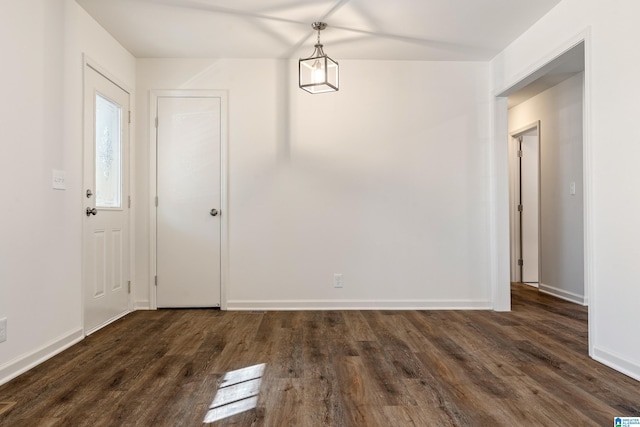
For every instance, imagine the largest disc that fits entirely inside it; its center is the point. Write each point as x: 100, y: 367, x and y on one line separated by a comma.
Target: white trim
x: 587, y: 201
x: 88, y: 62
x: 617, y: 362
x: 539, y: 68
x: 108, y: 322
x: 23, y: 363
x: 499, y: 198
x: 525, y: 129
x: 153, y: 159
x: 358, y: 305
x: 562, y: 294
x: 224, y: 185
x: 141, y: 305
x: 500, y: 251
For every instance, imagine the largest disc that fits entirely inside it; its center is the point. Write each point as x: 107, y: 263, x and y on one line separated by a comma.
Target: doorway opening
x: 545, y: 119
x: 524, y: 157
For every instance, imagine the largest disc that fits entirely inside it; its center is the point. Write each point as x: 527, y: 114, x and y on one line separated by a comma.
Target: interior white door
x: 188, y: 202
x: 531, y: 208
x: 105, y: 195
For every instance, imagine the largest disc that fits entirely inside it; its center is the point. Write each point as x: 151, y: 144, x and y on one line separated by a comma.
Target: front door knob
x: 91, y: 211
x: 214, y: 212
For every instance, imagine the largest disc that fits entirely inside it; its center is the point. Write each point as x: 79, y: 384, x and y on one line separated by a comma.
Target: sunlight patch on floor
x: 237, y: 393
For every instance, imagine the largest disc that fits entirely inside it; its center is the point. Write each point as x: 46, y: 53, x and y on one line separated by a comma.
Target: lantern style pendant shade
x: 318, y: 73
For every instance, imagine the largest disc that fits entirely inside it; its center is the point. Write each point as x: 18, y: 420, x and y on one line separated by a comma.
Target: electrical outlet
x: 3, y: 329
x: 337, y: 280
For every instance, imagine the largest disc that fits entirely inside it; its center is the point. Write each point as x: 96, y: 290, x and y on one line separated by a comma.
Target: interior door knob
x: 91, y: 211
x: 214, y: 212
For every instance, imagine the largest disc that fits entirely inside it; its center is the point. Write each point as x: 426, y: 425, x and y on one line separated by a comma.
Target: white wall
x: 559, y: 110
x: 40, y: 129
x: 385, y: 181
x: 392, y: 181
x: 612, y: 153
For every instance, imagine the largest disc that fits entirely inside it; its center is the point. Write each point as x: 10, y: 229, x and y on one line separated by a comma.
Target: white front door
x: 188, y: 208
x: 105, y: 195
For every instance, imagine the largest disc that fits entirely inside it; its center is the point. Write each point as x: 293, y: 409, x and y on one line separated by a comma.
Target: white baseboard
x: 102, y: 325
x: 141, y: 305
x: 562, y: 294
x: 287, y: 305
x: 617, y: 362
x: 23, y: 363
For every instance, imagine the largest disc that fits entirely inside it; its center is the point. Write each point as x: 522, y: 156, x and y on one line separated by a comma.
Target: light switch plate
x: 3, y: 329
x: 59, y: 182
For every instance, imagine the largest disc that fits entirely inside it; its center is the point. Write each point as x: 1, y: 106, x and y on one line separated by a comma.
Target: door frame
x: 500, y: 288
x: 514, y: 192
x: 224, y: 185
x: 88, y: 62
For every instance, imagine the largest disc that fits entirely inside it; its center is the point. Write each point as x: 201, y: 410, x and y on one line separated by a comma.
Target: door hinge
x: 520, y: 208
x: 129, y: 286
x: 156, y: 280
x: 129, y: 116
x: 519, y: 153
x: 520, y: 262
x: 129, y: 202
x: 156, y: 201
x: 156, y: 123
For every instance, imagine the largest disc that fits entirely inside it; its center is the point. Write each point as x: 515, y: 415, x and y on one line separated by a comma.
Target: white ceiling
x: 437, y: 30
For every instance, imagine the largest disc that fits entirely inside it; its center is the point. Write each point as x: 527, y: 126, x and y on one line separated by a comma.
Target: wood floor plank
x: 527, y: 367
x: 378, y: 368
x: 386, y: 336
x: 240, y: 343
x: 357, y: 326
x: 288, y: 359
x: 322, y: 400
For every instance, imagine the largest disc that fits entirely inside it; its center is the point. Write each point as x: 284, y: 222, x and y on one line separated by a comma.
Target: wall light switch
x: 59, y: 182
x: 572, y: 188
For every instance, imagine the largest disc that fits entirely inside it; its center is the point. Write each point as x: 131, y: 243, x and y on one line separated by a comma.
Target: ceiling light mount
x: 318, y: 73
x: 319, y: 26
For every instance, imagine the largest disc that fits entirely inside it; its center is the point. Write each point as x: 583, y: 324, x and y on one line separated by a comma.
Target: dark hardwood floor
x: 528, y: 367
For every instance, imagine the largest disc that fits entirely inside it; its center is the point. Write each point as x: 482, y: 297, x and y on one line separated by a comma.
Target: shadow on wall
x: 283, y: 112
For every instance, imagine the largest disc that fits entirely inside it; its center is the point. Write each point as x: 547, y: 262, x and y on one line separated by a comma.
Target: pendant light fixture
x: 318, y: 73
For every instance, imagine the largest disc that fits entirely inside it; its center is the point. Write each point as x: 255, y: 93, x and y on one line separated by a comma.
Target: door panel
x: 116, y: 246
x: 99, y: 244
x: 530, y: 202
x: 188, y: 187
x: 106, y: 182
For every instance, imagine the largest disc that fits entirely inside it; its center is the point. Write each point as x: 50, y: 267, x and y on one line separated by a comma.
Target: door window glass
x: 108, y: 148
